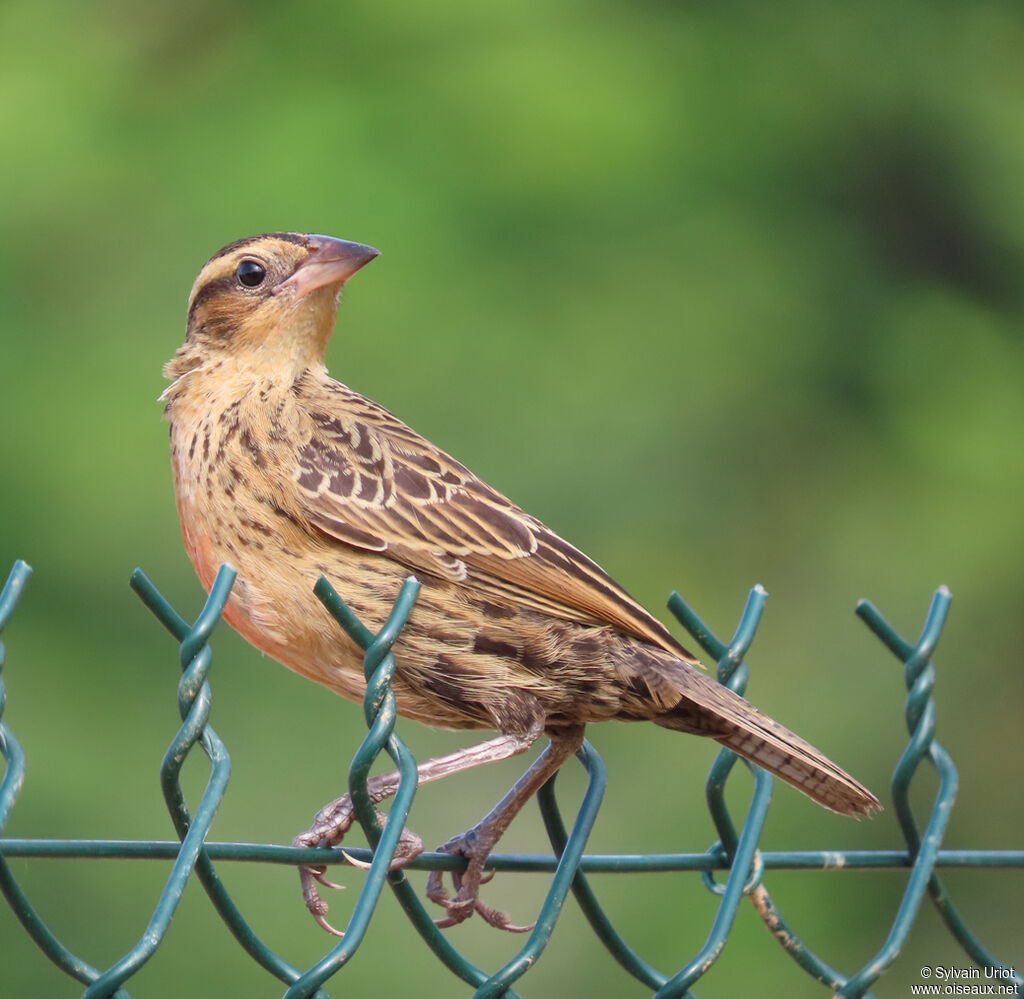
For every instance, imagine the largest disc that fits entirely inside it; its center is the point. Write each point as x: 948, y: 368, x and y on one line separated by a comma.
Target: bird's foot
x: 328, y: 830
x: 475, y: 847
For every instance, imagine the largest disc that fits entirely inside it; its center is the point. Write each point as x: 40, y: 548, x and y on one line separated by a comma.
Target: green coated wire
x: 14, y: 776
x: 379, y: 666
x: 587, y: 900
x: 194, y: 706
x: 733, y: 671
x: 207, y: 874
x: 742, y: 847
x: 678, y: 985
x: 565, y: 872
x: 14, y: 772
x: 522, y: 863
x: 923, y: 854
x: 919, y: 676
x: 920, y: 713
x: 400, y: 886
x: 381, y: 715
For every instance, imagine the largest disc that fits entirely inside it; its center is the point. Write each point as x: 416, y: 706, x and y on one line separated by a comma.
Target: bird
x: 289, y: 475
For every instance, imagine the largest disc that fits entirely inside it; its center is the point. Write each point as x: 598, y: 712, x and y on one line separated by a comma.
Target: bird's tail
x: 785, y: 754
x: 705, y: 707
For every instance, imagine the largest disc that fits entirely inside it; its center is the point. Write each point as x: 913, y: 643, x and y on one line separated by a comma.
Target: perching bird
x: 289, y: 475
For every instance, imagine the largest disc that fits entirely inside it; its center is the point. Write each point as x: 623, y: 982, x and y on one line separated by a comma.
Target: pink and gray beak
x: 330, y: 262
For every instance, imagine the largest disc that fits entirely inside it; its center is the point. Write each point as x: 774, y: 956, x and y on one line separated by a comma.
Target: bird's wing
x: 369, y: 480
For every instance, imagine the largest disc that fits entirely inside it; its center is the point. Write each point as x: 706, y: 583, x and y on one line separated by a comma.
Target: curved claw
x: 408, y: 848
x: 315, y: 904
x: 493, y: 917
x: 326, y: 926
x: 466, y: 902
x: 332, y: 822
x: 438, y: 894
x: 361, y: 864
x: 319, y: 875
x: 500, y: 920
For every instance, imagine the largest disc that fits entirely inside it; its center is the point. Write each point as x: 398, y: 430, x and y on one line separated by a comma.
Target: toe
x: 500, y: 920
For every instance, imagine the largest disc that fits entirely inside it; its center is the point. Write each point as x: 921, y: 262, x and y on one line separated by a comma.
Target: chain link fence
x: 735, y: 853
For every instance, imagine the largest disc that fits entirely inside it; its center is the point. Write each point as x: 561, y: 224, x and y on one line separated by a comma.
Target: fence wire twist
x: 735, y: 851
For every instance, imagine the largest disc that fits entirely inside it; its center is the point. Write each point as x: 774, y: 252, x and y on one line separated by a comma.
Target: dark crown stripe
x: 289, y: 237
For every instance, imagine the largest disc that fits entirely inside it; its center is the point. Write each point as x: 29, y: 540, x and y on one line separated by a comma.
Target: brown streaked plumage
x: 289, y: 475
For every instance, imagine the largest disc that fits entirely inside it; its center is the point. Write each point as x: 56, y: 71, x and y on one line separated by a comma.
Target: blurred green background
x: 724, y: 294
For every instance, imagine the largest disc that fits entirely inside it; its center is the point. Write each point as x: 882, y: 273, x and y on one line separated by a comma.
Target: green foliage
x: 725, y: 294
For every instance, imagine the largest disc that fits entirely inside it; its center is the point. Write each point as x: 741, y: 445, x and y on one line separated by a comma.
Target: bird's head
x: 271, y: 300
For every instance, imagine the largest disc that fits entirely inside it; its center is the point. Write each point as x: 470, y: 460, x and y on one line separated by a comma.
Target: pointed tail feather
x: 707, y: 708
x: 798, y: 763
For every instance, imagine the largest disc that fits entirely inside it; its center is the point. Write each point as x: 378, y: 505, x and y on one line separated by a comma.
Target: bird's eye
x: 251, y: 273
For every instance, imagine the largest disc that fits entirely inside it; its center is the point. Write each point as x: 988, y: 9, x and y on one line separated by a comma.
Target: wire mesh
x: 735, y: 852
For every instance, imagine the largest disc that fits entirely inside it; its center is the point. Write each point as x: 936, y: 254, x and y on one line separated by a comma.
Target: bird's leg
x: 335, y: 819
x: 476, y: 844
